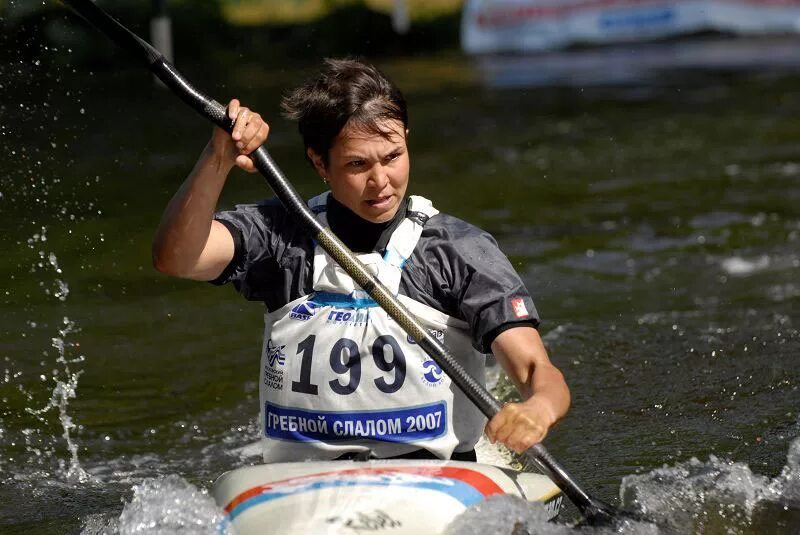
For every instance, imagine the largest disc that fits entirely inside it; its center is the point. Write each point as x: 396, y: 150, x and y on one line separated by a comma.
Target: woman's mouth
x: 380, y: 202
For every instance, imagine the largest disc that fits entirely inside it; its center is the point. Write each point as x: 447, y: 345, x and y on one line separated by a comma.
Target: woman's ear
x: 316, y: 161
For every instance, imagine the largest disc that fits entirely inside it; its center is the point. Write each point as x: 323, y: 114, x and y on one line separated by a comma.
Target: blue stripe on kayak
x: 463, y: 492
x: 341, y: 300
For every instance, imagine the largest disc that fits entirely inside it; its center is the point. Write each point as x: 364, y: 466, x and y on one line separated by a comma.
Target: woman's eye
x: 393, y: 156
x: 356, y: 163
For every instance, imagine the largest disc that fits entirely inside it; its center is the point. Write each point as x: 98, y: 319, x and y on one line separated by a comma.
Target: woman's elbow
x: 164, y: 262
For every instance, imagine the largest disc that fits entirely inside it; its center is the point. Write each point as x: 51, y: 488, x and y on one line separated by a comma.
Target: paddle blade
x: 599, y: 513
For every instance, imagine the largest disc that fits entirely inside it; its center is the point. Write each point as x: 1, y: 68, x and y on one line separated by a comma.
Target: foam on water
x: 787, y: 485
x: 504, y: 515
x: 717, y: 495
x: 680, y: 496
x: 166, y: 505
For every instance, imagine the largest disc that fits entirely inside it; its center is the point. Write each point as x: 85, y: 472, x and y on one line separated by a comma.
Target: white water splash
x: 66, y: 380
x: 62, y: 290
x: 717, y: 495
x: 64, y: 391
x: 786, y: 487
x: 38, y: 239
x: 167, y: 505
x: 504, y: 515
x: 692, y: 497
x: 682, y: 494
x: 512, y: 515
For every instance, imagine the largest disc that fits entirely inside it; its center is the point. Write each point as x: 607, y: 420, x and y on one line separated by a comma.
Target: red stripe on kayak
x: 480, y: 482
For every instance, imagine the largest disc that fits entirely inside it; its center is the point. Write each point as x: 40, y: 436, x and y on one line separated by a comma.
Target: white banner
x: 530, y: 25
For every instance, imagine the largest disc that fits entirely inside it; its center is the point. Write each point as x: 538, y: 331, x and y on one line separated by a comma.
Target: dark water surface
x: 656, y: 225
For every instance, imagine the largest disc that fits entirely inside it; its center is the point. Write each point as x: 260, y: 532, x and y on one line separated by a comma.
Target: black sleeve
x: 271, y: 257
x: 491, y: 294
x: 238, y: 253
x: 470, y: 278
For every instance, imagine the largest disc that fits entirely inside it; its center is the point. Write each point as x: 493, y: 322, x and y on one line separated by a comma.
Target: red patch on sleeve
x: 518, y: 305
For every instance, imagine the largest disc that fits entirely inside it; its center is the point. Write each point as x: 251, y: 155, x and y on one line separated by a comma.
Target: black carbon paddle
x: 596, y: 512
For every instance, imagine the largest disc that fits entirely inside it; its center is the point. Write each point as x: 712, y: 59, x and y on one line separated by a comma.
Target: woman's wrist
x: 215, y: 159
x: 544, y: 408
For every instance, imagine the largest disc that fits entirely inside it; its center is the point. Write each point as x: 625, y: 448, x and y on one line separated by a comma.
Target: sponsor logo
x: 376, y: 520
x: 436, y: 333
x: 518, y: 306
x: 433, y: 373
x: 358, y: 316
x: 553, y: 507
x: 275, y: 355
x: 273, y: 371
x: 304, y: 311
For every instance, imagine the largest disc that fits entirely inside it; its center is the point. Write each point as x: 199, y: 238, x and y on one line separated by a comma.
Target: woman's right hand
x: 249, y: 132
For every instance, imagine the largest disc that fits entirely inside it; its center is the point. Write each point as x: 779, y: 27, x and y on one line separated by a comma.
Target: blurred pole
x: 400, y: 21
x: 161, y: 31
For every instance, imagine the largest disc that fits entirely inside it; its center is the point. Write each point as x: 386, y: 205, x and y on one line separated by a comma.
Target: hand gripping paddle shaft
x: 595, y: 511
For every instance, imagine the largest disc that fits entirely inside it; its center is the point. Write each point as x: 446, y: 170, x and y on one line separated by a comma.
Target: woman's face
x: 368, y: 173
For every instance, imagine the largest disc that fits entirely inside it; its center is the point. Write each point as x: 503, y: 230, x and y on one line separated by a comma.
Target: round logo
x: 433, y: 373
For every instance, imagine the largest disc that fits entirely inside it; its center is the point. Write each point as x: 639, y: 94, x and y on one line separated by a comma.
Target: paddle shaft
x: 295, y: 205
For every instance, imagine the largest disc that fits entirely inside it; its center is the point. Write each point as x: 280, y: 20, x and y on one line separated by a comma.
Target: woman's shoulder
x: 269, y: 207
x: 264, y: 215
x: 444, y: 228
x: 265, y: 229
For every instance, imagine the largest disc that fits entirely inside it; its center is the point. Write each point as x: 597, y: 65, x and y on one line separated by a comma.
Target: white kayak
x: 396, y: 496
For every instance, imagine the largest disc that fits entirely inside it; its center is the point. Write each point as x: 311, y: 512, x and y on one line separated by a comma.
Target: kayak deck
x: 400, y: 496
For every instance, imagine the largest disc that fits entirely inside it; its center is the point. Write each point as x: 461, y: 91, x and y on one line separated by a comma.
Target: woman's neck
x: 358, y: 234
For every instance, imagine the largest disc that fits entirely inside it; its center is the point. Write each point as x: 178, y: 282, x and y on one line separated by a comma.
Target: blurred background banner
x: 531, y: 25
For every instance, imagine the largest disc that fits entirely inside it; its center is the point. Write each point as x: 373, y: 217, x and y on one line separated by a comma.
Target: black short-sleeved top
x: 456, y: 267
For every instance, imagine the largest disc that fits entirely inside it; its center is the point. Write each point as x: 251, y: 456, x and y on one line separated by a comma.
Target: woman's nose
x: 379, y: 177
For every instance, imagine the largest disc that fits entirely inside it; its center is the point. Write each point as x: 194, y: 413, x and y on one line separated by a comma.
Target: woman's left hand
x: 521, y: 425
x: 522, y: 355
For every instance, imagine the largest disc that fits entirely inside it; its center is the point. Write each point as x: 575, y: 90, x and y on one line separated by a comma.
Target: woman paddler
x: 339, y: 378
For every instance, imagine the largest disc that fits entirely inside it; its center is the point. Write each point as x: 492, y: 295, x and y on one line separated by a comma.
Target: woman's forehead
x: 357, y: 135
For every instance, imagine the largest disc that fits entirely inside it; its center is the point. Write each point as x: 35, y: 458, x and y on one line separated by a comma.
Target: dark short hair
x: 345, y: 90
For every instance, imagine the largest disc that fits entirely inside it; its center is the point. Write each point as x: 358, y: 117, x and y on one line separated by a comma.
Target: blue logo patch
x: 433, y: 374
x: 275, y: 354
x: 304, y: 311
